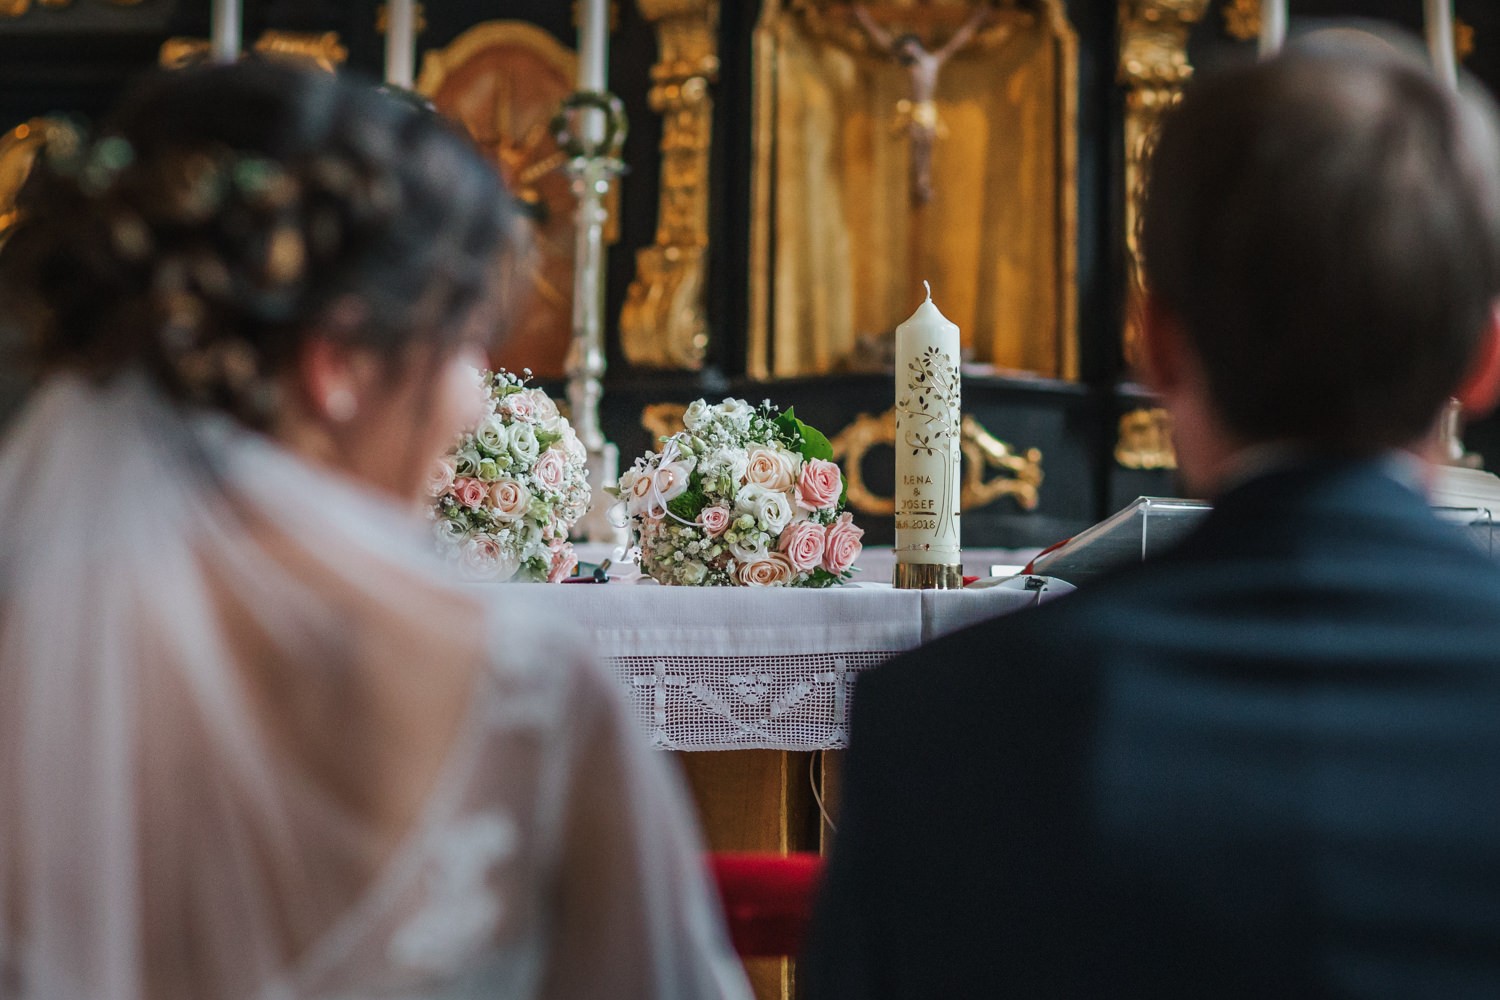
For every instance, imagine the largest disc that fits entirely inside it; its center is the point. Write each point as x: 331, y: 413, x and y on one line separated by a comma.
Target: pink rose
x: 842, y: 545
x: 440, y: 477
x: 518, y: 404
x: 802, y: 543
x: 772, y: 571
x: 470, y: 492
x: 551, y: 470
x: 713, y: 520
x: 481, y: 558
x: 772, y: 468
x: 563, y: 561
x: 819, y: 486
x: 509, y: 499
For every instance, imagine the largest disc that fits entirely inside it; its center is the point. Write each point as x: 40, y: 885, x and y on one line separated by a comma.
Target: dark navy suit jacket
x: 1266, y: 764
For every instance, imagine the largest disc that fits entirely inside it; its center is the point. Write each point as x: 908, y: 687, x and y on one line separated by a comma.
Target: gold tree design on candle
x: 931, y: 425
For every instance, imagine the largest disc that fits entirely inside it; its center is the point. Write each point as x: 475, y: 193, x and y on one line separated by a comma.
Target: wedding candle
x: 1439, y: 20
x: 400, y: 43
x: 593, y: 53
x: 1272, y: 27
x: 928, y: 431
x: 225, y: 30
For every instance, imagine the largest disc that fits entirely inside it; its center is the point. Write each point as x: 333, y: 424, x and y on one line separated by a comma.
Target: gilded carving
x: 1145, y: 440
x: 663, y: 419
x: 15, y: 8
x: 992, y: 468
x: 1153, y: 68
x: 1242, y: 21
x: 662, y: 324
x: 18, y: 150
x: 316, y: 48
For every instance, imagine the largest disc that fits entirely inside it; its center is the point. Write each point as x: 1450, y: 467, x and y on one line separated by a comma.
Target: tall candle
x: 1272, y: 27
x: 928, y: 438
x: 1439, y: 20
x: 225, y: 30
x: 400, y: 43
x: 593, y: 61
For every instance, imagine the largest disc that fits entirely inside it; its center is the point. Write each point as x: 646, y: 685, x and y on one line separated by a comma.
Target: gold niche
x: 840, y: 239
x: 1153, y: 68
x: 1017, y: 474
x: 662, y: 324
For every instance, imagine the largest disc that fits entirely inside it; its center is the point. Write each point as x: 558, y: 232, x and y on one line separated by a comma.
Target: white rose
x: 751, y: 547
x: 771, y: 510
x: 493, y: 435
x: 574, y: 447
x: 466, y: 461
x: 731, y: 460
x: 737, y: 412
x: 523, y: 443
x: 671, y: 480
x: 694, y: 416
x: 482, y: 559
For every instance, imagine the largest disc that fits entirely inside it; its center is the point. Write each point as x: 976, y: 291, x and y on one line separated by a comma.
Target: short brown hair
x: 1326, y: 226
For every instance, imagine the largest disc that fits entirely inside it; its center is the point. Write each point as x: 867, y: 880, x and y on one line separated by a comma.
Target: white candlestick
x: 928, y: 437
x: 1272, y: 27
x: 225, y: 30
x: 400, y: 43
x: 1440, y: 40
x: 593, y: 61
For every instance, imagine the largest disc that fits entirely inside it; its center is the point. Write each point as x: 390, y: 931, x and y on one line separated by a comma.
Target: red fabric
x: 767, y: 899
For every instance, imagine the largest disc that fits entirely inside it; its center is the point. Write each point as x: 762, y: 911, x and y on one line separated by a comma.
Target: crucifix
x: 922, y: 67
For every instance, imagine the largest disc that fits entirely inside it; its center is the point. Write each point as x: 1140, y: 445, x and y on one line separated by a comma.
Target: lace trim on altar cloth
x: 789, y: 702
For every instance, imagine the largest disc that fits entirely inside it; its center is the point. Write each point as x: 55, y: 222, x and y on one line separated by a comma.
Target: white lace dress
x: 210, y: 657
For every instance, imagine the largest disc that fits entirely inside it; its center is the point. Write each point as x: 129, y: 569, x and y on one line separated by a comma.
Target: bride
x: 252, y: 743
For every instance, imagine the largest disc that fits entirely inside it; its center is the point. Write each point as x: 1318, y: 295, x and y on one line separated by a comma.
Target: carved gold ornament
x: 1242, y: 22
x: 662, y: 323
x: 18, y: 151
x: 1017, y: 475
x: 1145, y: 440
x: 663, y: 420
x: 316, y: 48
x: 1153, y: 68
x: 16, y: 8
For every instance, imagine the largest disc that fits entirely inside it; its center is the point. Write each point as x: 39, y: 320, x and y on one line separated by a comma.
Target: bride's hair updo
x: 227, y: 213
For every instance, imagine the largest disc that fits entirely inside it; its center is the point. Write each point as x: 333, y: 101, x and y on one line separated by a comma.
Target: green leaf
x: 814, y: 443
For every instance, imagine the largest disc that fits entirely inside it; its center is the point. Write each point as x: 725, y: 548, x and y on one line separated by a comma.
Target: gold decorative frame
x: 982, y: 451
x: 18, y: 151
x: 1153, y: 68
x: 662, y: 323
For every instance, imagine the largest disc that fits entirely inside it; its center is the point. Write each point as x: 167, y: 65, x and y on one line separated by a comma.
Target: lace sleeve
x: 636, y: 917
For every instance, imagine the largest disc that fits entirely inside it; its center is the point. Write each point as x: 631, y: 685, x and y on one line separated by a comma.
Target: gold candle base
x: 928, y: 576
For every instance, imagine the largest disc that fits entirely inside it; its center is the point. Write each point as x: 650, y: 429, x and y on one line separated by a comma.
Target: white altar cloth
x: 740, y: 668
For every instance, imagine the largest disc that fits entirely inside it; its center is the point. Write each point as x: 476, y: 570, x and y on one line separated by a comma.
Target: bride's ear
x: 1480, y: 388
x: 334, y: 378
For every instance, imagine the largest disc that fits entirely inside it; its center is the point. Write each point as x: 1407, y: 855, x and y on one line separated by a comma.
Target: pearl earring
x: 340, y: 405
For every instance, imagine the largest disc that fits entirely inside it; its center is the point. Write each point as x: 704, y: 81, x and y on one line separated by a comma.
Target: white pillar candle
x: 1440, y: 42
x: 400, y: 42
x: 928, y: 438
x: 593, y: 61
x: 225, y: 30
x: 1273, y: 16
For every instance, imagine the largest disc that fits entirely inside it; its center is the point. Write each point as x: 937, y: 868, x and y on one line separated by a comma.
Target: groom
x: 1267, y: 764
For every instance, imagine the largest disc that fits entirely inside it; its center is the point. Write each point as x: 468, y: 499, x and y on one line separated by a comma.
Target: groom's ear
x: 1480, y: 388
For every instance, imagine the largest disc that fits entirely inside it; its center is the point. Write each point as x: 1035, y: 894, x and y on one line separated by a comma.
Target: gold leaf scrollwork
x: 18, y: 151
x: 1145, y: 440
x: 662, y: 324
x: 321, y: 49
x: 1154, y: 68
x: 663, y: 419
x: 1017, y: 475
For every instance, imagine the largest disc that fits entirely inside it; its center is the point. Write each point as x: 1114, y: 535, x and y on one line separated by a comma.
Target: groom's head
x: 1321, y: 241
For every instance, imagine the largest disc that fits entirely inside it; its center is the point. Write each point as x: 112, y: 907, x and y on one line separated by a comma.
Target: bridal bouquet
x: 504, y: 498
x: 744, y: 496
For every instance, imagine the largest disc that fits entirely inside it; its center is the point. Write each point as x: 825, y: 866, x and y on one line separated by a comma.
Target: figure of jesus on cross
x: 923, y: 67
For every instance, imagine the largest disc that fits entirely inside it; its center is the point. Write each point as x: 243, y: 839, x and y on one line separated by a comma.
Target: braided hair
x: 227, y: 213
